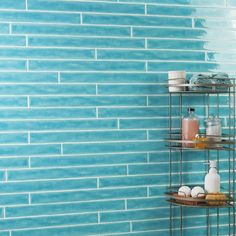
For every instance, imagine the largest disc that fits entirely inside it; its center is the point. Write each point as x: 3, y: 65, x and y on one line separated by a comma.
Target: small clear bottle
x: 190, y: 127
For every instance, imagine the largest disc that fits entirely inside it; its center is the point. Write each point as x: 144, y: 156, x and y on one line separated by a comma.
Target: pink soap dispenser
x: 190, y: 127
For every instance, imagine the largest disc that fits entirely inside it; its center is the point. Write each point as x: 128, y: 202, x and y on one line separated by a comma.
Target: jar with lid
x: 213, y: 130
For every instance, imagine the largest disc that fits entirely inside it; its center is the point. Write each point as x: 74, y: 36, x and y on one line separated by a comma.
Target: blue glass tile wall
x: 83, y: 112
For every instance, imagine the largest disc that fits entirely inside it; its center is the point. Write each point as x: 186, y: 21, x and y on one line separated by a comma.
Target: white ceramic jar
x: 176, y: 78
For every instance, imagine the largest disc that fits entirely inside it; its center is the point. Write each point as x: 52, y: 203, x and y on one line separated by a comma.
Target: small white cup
x: 176, y: 74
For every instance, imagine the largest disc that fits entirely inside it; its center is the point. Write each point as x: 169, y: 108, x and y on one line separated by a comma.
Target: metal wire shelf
x: 226, y: 142
x: 201, y: 201
x: 199, y: 149
x: 210, y: 144
x: 227, y: 205
x: 208, y: 88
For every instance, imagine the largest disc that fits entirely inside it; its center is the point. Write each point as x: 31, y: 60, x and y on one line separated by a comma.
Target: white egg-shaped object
x: 184, y: 191
x: 197, y: 192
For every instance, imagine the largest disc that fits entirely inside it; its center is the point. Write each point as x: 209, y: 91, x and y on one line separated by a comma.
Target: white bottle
x: 212, y: 179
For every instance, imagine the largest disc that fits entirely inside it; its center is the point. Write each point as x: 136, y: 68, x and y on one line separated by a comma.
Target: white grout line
x: 28, y: 137
x: 62, y: 149
x: 29, y: 162
x: 59, y: 77
x: 10, y: 28
x: 26, y: 5
x: 29, y: 198
x: 5, y: 176
x: 96, y: 54
x: 193, y: 22
x: 4, y: 212
x: 131, y: 31
x: 145, y: 9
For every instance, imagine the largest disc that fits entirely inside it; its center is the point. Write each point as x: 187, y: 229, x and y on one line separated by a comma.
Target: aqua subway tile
x: 80, y: 101
x: 150, y: 123
x: 184, y: 2
x: 131, y: 89
x: 97, y: 159
x: 171, y: 10
x: 57, y: 125
x: 70, y: 30
x: 55, y: 89
x: 13, y: 102
x: 86, y: 6
x: 18, y: 162
x: 87, y: 195
x: 151, y: 225
x: 10, y: 40
x: 191, y: 66
x: 148, y: 169
x: 163, y: 156
x: 189, y: 11
x: 28, y: 77
x: 12, y: 4
x: 131, y: 215
x: 143, y: 123
x: 2, y: 175
x: 46, y: 113
x: 53, y: 41
x: 52, y: 185
x: 8, y: 138
x: 29, y: 150
x: 4, y: 28
x: 132, y: 181
x: 132, y: 112
x: 12, y: 65
x: 16, y: 199
x: 149, y: 55
x: 1, y: 213
x: 136, y: 20
x: 161, y: 100
x: 73, y: 230
x: 28, y: 16
x: 157, y: 134
x: 176, y: 44
x: 65, y: 208
x: 9, y: 224
x: 110, y: 77
x: 146, y: 203
x: 74, y: 172
x: 111, y: 147
x: 6, y: 233
x: 38, y: 65
x: 49, y: 53
x: 146, y: 233
x: 88, y: 136
x: 168, y: 32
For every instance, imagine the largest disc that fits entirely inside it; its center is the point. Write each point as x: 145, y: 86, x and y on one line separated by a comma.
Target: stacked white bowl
x: 176, y: 78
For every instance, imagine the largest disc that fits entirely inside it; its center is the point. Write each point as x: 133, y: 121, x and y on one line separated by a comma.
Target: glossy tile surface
x: 84, y: 106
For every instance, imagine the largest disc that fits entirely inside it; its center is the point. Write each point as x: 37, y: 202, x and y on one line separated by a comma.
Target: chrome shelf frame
x: 227, y: 144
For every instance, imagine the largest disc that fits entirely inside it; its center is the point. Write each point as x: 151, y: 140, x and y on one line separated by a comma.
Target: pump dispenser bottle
x: 190, y: 127
x: 212, y: 179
